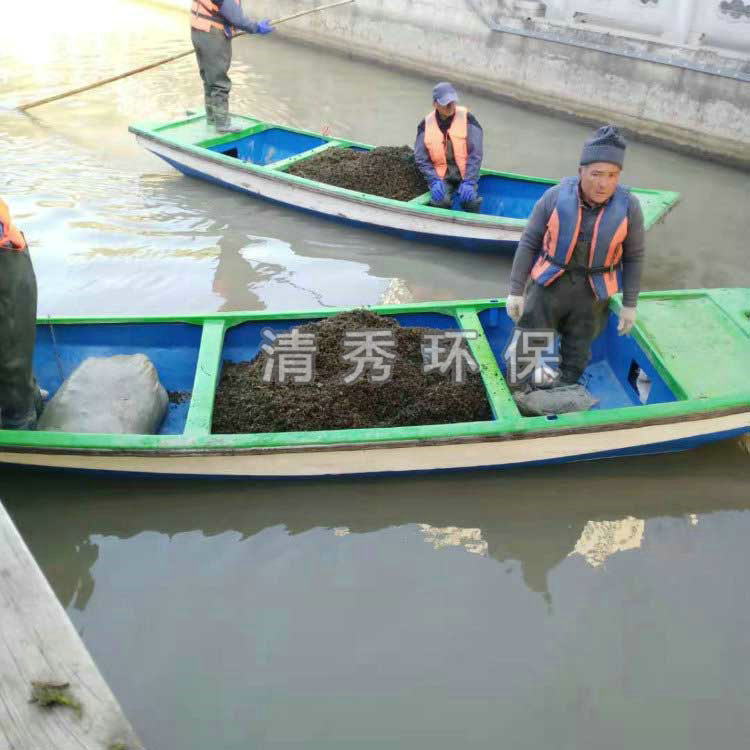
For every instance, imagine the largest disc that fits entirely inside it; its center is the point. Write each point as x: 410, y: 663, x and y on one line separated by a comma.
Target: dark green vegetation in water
x: 50, y: 694
x: 387, y: 171
x: 245, y: 403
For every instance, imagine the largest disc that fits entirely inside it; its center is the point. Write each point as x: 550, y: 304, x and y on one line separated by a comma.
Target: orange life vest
x: 204, y: 16
x: 604, y: 266
x: 10, y: 237
x: 436, y: 142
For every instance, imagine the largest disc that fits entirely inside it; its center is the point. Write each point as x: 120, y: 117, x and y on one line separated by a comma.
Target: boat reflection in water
x: 518, y: 518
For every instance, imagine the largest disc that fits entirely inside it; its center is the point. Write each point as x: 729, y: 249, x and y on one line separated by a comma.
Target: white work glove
x: 514, y: 307
x: 626, y: 322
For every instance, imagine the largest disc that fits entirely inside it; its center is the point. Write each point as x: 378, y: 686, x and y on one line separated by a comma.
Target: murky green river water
x: 587, y: 606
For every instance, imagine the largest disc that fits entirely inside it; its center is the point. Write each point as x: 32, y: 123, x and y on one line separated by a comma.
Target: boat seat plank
x: 196, y: 129
x: 698, y: 343
x: 501, y: 400
x: 207, y: 372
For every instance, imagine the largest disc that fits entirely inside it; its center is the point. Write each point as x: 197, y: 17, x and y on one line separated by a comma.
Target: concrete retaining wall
x: 724, y: 24
x: 686, y: 97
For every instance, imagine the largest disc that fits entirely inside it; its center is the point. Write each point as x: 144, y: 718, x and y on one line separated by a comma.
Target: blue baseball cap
x: 444, y: 94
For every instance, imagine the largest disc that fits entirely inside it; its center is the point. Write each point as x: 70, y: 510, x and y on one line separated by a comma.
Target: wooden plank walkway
x: 38, y: 643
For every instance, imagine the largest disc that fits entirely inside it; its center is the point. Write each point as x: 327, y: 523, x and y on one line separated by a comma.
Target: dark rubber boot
x: 445, y: 203
x: 472, y: 206
x: 213, y: 53
x: 210, y: 116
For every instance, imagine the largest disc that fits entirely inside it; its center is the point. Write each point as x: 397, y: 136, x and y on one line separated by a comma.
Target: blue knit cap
x: 605, y: 145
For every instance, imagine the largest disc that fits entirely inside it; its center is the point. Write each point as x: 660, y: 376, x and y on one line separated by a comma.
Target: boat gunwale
x: 670, y: 198
x: 457, y: 440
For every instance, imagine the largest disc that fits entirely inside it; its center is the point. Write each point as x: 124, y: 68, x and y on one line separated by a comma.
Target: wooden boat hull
x: 692, y: 348
x: 255, y: 162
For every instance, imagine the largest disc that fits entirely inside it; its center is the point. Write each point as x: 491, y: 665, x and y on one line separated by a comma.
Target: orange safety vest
x: 436, y: 142
x: 10, y: 237
x: 204, y: 16
x: 604, y: 266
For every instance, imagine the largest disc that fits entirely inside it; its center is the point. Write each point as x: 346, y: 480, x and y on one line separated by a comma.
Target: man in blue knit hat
x: 583, y: 243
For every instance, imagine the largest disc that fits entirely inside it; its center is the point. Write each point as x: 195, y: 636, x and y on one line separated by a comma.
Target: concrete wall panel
x: 691, y: 98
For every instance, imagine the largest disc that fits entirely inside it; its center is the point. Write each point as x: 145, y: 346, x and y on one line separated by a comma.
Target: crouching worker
x: 583, y: 243
x: 20, y: 399
x: 448, y: 151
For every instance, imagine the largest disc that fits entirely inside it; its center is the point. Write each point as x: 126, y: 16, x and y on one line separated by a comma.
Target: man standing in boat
x: 583, y: 243
x: 448, y: 151
x: 20, y: 399
x: 213, y: 23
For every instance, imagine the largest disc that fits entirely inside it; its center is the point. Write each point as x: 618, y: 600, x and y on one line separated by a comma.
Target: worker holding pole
x: 213, y: 25
x: 212, y: 31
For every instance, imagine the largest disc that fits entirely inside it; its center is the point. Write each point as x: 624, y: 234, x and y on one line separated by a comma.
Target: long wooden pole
x: 66, y: 94
x: 311, y: 10
x: 156, y: 64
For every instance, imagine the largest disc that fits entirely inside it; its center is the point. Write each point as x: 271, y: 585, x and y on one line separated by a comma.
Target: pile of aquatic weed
x: 387, y: 171
x: 245, y: 403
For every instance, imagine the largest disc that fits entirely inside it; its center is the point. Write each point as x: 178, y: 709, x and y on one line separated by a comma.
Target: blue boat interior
x: 501, y: 196
x: 268, y: 146
x: 619, y: 375
x: 172, y: 347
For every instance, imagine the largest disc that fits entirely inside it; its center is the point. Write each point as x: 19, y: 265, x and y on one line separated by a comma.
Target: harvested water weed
x: 245, y: 403
x: 51, y: 694
x: 387, y: 171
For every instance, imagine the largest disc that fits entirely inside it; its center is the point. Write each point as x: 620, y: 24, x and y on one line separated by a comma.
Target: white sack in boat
x: 560, y: 400
x: 119, y: 394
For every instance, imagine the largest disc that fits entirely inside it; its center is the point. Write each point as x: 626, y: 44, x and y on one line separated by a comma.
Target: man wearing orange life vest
x: 583, y: 243
x: 213, y: 23
x: 20, y: 399
x: 448, y: 151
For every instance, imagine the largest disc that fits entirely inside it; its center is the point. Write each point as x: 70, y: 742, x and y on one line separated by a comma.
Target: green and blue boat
x: 255, y: 161
x: 680, y: 380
